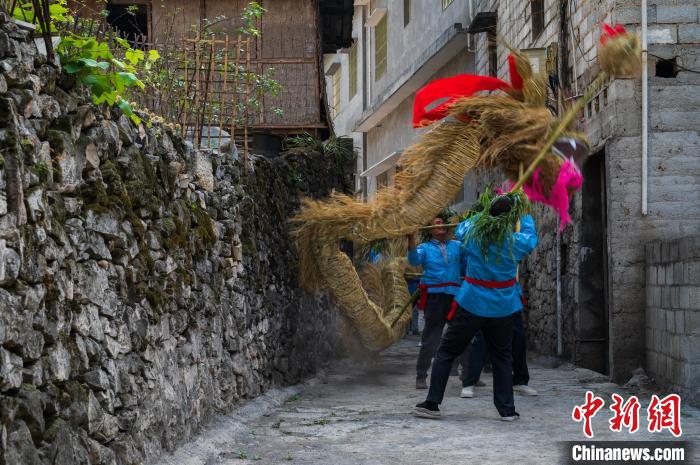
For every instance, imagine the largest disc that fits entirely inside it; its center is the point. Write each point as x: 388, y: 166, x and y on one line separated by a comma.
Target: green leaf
x: 72, y: 67
x: 153, y: 55
x: 129, y: 79
x: 118, y: 63
x: 134, y: 56
x: 122, y: 42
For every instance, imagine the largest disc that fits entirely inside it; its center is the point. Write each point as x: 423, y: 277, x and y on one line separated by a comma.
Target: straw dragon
x: 505, y: 129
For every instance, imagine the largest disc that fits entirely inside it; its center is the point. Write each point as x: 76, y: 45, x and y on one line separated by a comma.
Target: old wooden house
x: 293, y: 35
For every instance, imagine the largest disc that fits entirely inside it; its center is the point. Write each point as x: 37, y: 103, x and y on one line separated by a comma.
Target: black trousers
x: 498, y: 333
x: 437, y: 307
x: 477, y: 356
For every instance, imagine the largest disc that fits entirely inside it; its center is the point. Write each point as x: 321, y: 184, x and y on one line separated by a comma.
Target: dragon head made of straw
x: 515, y: 124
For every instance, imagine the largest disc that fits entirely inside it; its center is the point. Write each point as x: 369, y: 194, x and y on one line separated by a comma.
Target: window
x: 406, y: 12
x: 336, y: 92
x: 383, y: 180
x: 380, y: 49
x: 352, y: 58
x: 493, y: 52
x: 446, y: 3
x: 537, y: 14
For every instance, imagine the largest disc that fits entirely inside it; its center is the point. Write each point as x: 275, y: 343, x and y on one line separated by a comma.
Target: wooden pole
x: 414, y: 298
x: 247, y: 100
x: 234, y: 94
x: 222, y: 95
x: 197, y: 65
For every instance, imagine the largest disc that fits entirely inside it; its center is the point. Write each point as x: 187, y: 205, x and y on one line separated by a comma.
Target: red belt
x: 479, y: 282
x: 424, y: 292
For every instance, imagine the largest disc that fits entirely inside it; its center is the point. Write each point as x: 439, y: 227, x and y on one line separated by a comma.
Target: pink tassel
x: 568, y: 179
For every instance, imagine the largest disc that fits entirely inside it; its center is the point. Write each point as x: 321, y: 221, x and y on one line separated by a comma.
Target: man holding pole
x: 443, y: 262
x: 486, y: 301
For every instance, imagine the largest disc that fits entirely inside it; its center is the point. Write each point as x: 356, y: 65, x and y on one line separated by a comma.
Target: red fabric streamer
x: 609, y: 32
x: 516, y: 79
x: 433, y: 101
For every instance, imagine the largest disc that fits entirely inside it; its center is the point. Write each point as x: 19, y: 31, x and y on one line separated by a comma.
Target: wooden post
x: 247, y: 100
x: 183, y: 117
x: 197, y: 65
x: 222, y: 94
x: 234, y: 95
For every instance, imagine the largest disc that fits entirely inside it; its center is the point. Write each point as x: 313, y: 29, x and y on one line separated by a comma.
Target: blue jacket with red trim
x: 439, y: 267
x: 499, y: 265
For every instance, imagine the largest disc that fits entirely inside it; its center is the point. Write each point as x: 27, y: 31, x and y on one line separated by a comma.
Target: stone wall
x: 144, y: 287
x: 673, y: 315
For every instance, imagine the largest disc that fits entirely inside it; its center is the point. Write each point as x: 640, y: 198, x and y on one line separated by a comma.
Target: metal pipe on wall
x: 645, y: 111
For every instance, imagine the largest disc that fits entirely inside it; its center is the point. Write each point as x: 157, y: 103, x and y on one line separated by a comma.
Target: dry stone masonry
x: 144, y: 287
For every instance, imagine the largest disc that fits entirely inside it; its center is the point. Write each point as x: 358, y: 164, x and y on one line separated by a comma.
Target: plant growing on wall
x: 96, y: 64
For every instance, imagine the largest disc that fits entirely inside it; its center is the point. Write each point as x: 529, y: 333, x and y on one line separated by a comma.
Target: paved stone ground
x: 360, y: 414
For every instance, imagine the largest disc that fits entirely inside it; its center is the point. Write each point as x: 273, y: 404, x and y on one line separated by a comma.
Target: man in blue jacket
x: 486, y: 301
x: 442, y: 261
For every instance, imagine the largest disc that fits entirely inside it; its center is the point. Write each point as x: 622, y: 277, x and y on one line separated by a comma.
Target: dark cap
x: 500, y: 205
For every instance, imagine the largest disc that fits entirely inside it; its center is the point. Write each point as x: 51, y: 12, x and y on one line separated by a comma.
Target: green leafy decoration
x: 486, y: 229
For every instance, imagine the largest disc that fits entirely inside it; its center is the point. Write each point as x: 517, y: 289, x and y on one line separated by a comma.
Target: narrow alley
x: 353, y: 414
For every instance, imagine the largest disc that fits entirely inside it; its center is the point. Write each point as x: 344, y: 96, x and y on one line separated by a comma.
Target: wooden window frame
x: 380, y: 49
x: 352, y: 71
x: 337, y: 80
x: 537, y: 18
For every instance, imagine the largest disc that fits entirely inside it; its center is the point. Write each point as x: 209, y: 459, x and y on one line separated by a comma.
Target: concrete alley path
x: 354, y: 414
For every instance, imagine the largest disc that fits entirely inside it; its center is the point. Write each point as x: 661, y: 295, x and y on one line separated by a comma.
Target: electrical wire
x: 577, y: 40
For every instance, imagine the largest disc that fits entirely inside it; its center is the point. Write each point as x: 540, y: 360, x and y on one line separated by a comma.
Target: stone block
x: 661, y: 275
x: 692, y: 273
x: 676, y: 14
x: 675, y: 297
x: 694, y: 297
x: 689, y: 33
x: 666, y: 297
x: 684, y: 349
x: 678, y: 275
x: 670, y: 322
x: 11, y: 366
x: 680, y: 321
x: 684, y: 296
x: 651, y: 275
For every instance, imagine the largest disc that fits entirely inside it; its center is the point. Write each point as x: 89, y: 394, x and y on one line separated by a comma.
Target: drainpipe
x: 645, y: 109
x: 558, y: 254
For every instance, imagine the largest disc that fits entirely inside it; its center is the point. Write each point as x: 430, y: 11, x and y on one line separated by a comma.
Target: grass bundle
x: 487, y: 230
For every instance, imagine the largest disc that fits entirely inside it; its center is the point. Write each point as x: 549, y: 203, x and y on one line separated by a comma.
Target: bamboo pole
x: 225, y: 88
x: 414, y: 298
x: 183, y: 129
x: 437, y: 226
x: 197, y: 65
x: 247, y: 101
x: 234, y: 94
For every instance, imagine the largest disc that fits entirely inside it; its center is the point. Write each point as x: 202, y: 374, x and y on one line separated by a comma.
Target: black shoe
x: 427, y: 410
x: 421, y: 383
x: 513, y: 417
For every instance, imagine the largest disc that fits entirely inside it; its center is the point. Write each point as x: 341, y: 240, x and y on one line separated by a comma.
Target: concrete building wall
x: 613, y: 124
x: 410, y: 48
x: 673, y: 315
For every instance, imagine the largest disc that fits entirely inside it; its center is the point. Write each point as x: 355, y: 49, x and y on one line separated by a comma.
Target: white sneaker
x: 525, y: 390
x: 511, y: 418
x: 467, y: 392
